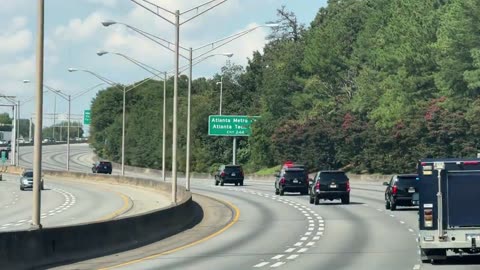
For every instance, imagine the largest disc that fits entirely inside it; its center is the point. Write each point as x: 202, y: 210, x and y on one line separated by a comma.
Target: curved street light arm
x: 56, y: 92
x: 79, y: 94
x: 234, y: 36
x: 143, y: 66
x: 157, y: 12
x: 205, y: 11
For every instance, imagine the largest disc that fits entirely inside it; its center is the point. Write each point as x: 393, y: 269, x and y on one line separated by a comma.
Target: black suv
x: 102, y: 167
x: 330, y: 185
x: 229, y: 174
x: 291, y: 179
x: 400, y: 191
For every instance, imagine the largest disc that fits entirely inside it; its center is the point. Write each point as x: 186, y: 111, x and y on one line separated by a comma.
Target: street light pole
x: 37, y: 146
x: 13, y: 142
x: 54, y: 114
x: 68, y: 132
x: 187, y: 163
x: 221, y: 94
x: 164, y: 125
x: 123, y: 131
x: 17, y: 143
x: 175, y: 103
x: 30, y: 130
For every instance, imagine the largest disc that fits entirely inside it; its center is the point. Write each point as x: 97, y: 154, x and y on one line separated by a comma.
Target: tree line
x: 368, y: 86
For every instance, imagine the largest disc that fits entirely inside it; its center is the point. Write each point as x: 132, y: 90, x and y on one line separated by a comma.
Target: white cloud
x: 12, y: 74
x: 80, y: 30
x: 108, y: 3
x: 11, y: 5
x: 15, y: 43
x: 16, y: 38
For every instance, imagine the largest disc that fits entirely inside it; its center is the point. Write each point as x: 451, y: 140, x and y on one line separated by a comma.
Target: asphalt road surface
x: 287, y: 232
x: 66, y: 202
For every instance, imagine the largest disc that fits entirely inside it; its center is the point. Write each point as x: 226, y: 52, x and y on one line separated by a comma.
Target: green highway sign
x: 230, y: 125
x: 86, y: 117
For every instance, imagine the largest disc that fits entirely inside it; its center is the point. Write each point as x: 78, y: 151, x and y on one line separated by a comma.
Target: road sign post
x: 86, y: 117
x: 231, y: 126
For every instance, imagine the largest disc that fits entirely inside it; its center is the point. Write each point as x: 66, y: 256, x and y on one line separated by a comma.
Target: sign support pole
x: 234, y: 150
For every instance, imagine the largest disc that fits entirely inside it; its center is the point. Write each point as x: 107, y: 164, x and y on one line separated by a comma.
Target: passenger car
x: 26, y: 180
x: 400, y: 191
x: 291, y: 179
x: 229, y: 174
x: 102, y: 167
x: 330, y: 185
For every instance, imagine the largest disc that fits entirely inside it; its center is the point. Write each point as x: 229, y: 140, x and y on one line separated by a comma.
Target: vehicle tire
x: 236, y: 183
x: 393, y: 207
x: 387, y: 205
x: 311, y: 200
x: 282, y: 192
x: 216, y: 183
x: 305, y: 192
x: 241, y: 183
x: 22, y: 189
x: 316, y: 200
x: 221, y: 183
x: 277, y: 191
x: 346, y: 200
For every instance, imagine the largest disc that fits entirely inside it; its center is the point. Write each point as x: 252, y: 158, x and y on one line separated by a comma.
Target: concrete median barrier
x: 36, y: 249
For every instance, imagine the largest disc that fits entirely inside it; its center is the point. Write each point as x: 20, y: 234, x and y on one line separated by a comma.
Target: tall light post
x: 221, y: 94
x: 124, y: 89
x: 37, y: 146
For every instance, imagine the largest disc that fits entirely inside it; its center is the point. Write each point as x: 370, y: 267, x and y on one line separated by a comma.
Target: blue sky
x: 74, y: 34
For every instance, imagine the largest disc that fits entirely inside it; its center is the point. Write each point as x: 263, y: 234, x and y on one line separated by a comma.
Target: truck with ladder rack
x: 449, y: 207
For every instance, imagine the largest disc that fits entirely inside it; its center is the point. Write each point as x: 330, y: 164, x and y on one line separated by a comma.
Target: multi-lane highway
x: 286, y: 232
x: 67, y: 202
x: 289, y: 233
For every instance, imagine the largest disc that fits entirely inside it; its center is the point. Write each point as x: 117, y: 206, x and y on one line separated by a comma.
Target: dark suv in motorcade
x: 102, y: 167
x: 400, y: 191
x: 330, y: 185
x: 229, y: 174
x: 291, y: 179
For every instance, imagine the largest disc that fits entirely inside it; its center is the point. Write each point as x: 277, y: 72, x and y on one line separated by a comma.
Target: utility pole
x: 37, y: 146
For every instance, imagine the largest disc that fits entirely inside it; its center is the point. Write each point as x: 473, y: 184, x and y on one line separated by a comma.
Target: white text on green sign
x: 230, y: 125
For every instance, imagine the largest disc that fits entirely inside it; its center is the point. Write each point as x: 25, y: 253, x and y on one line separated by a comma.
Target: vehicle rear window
x: 231, y: 169
x: 407, y: 181
x: 28, y: 174
x: 106, y: 163
x: 339, y: 177
x: 295, y: 174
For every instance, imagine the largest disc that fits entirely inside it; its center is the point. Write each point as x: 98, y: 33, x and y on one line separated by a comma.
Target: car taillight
x: 348, y: 186
x: 428, y: 217
x: 394, y: 190
x: 317, y: 186
x: 282, y: 181
x: 222, y: 174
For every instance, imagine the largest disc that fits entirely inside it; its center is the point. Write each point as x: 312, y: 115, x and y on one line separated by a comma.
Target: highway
x: 66, y: 202
x: 283, y: 232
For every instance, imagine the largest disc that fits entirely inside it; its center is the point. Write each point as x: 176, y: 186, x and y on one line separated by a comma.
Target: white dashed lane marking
x: 309, y: 237
x: 69, y: 201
